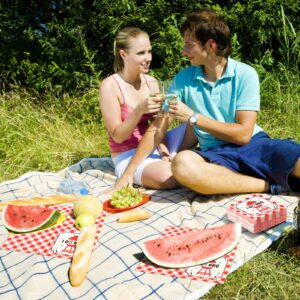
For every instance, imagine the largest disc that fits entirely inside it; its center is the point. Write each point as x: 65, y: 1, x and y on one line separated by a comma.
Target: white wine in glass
x: 168, y: 96
x: 156, y: 88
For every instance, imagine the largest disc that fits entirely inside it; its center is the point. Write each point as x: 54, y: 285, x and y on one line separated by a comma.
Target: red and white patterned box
x: 257, y: 212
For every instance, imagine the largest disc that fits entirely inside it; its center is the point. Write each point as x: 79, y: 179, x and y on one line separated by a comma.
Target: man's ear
x: 212, y: 44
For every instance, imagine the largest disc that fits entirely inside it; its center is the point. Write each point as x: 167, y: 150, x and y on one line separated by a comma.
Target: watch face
x: 193, y: 119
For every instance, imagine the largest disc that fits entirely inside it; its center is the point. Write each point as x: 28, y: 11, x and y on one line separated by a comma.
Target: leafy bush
x: 66, y: 46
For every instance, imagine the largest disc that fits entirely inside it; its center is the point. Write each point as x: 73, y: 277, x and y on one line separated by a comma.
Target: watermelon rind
x: 197, y: 257
x: 50, y: 222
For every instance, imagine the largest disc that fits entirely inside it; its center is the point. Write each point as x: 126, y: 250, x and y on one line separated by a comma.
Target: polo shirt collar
x: 230, y: 68
x: 229, y: 72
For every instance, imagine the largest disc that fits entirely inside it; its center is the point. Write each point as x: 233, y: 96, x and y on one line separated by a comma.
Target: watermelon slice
x: 21, y: 219
x: 193, y: 248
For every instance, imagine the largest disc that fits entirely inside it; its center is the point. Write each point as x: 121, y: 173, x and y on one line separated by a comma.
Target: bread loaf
x: 42, y: 200
x: 134, y: 215
x: 82, y: 256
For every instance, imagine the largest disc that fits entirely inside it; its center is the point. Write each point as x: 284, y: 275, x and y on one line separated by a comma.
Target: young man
x: 219, y: 98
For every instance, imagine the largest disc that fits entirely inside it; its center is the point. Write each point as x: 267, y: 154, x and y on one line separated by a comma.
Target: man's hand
x: 180, y: 111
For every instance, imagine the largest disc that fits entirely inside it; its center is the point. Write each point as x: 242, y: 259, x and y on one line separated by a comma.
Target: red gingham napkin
x: 206, y: 272
x: 43, y: 241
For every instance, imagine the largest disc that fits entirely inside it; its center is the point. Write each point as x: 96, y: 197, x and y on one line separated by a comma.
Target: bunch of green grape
x: 125, y: 197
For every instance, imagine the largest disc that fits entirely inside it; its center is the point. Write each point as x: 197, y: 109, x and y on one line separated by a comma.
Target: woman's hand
x: 164, y: 152
x: 125, y: 180
x: 151, y: 105
x: 180, y: 111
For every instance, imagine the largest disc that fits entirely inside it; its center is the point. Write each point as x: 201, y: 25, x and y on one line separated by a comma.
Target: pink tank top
x: 138, y: 132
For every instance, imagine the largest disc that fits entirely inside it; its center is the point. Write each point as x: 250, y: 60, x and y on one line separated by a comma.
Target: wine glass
x: 156, y: 89
x: 168, y: 96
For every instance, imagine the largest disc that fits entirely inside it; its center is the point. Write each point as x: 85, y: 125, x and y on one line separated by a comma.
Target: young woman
x: 127, y: 110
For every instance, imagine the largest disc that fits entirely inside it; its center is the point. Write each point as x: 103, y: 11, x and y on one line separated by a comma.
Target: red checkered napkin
x: 58, y: 241
x: 257, y: 212
x: 214, y: 271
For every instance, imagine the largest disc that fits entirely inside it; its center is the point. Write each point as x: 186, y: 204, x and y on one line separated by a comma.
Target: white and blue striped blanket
x: 117, y: 252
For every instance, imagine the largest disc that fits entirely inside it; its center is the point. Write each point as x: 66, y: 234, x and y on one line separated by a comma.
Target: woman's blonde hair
x: 122, y: 42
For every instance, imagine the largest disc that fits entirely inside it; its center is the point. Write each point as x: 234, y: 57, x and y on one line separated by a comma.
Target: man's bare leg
x: 192, y: 171
x: 296, y: 170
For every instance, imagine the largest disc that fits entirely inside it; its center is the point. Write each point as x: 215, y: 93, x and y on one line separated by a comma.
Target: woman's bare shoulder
x: 149, y: 77
x: 107, y: 82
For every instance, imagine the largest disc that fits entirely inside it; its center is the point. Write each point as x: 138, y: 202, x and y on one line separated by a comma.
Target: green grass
x: 280, y: 112
x: 273, y: 274
x: 49, y: 137
x: 62, y: 130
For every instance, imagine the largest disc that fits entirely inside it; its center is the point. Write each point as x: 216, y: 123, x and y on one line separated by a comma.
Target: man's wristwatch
x: 193, y: 119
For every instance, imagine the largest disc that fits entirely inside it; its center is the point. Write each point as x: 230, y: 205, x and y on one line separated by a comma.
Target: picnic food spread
x: 134, y: 215
x: 125, y: 197
x: 87, y: 205
x: 22, y: 219
x: 193, y: 248
x: 82, y: 255
x: 183, y: 250
x: 84, y: 207
x: 119, y: 269
x: 42, y: 200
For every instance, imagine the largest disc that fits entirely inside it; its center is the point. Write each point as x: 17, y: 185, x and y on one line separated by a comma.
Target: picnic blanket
x: 116, y: 270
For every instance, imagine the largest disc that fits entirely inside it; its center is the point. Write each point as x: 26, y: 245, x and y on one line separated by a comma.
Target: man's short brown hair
x: 207, y: 24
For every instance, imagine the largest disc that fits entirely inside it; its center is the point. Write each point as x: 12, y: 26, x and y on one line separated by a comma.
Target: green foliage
x: 289, y: 41
x: 66, y: 46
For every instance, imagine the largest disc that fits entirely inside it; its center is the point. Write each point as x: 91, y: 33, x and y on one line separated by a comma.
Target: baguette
x: 42, y: 200
x: 82, y: 255
x: 134, y: 215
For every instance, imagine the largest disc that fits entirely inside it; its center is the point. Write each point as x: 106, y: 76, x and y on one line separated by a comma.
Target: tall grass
x: 273, y: 274
x: 280, y: 108
x: 48, y: 137
x: 61, y: 131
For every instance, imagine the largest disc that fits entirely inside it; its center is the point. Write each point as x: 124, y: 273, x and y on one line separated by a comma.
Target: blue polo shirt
x: 237, y: 89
